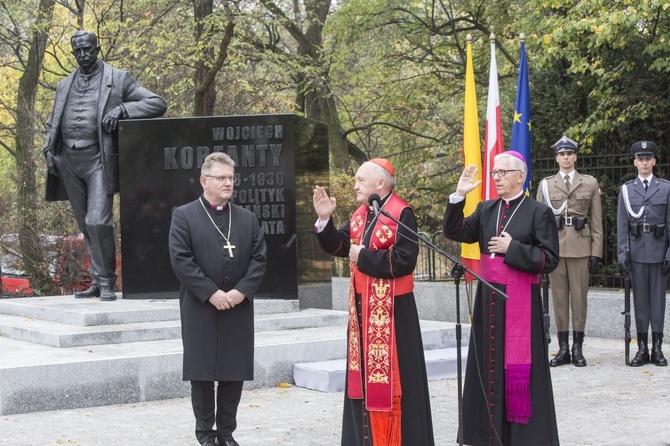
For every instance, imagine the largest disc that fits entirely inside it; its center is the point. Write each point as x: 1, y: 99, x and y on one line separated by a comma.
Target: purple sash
x: 517, y: 334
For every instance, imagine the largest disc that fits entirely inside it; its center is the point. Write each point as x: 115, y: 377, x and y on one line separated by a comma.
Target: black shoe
x: 563, y: 355
x: 93, y: 291
x: 577, y: 357
x: 209, y: 443
x: 230, y: 442
x: 642, y: 355
x: 641, y: 358
x: 657, y: 357
x: 561, y: 358
x: 107, y: 294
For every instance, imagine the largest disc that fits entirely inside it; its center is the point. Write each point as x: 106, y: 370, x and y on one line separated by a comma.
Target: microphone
x: 374, y: 200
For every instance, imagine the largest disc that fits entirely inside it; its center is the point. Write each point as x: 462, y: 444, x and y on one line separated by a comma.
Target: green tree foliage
x: 387, y: 76
x: 601, y: 72
x: 402, y: 91
x: 30, y: 55
x: 293, y: 38
x: 600, y: 75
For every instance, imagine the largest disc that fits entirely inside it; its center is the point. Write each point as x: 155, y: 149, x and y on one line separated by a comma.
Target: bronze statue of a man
x: 81, y: 150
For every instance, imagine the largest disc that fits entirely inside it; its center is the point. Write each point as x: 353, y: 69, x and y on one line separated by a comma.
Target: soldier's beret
x: 643, y: 149
x: 565, y: 144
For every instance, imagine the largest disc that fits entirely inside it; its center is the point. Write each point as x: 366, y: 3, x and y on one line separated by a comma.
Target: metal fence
x: 430, y: 266
x: 611, y: 171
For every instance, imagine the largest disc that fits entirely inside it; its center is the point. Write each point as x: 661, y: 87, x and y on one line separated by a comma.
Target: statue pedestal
x: 279, y: 159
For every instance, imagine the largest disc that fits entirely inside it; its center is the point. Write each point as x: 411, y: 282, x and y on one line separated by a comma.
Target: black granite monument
x: 279, y: 159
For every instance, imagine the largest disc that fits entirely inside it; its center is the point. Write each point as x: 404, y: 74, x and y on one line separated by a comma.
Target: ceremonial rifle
x: 626, y: 279
x: 626, y: 311
x: 545, y: 305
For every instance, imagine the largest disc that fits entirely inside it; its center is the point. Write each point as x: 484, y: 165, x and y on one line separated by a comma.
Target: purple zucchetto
x: 516, y: 154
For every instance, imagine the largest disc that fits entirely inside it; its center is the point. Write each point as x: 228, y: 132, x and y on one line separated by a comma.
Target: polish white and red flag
x: 493, y: 136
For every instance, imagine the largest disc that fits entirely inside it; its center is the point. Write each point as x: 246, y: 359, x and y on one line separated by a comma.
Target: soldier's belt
x: 578, y: 222
x: 644, y: 227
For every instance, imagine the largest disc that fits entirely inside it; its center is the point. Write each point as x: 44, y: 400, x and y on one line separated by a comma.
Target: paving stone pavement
x: 603, y: 404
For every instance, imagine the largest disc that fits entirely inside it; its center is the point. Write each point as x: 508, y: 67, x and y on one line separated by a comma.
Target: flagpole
x: 521, y: 126
x: 493, y: 137
x: 472, y: 154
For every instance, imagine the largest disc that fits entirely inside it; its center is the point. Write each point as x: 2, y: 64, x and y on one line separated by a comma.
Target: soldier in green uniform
x: 575, y: 201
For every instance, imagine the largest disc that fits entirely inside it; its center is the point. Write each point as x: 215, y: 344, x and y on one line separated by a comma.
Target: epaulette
x: 662, y: 180
x: 630, y: 181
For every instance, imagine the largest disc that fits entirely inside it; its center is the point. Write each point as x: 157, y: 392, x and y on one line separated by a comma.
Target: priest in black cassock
x: 386, y: 401
x: 218, y: 253
x: 507, y: 395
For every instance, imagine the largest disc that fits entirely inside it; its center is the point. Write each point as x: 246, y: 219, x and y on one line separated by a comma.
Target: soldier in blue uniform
x: 643, y: 250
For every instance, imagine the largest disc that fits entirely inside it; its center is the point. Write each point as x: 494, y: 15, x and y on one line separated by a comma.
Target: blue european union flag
x: 521, y: 127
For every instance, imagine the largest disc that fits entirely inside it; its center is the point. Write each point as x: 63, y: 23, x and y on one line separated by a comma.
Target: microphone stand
x: 457, y: 272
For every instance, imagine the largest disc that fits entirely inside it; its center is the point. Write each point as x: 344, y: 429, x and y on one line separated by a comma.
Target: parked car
x: 67, y: 260
x: 14, y: 280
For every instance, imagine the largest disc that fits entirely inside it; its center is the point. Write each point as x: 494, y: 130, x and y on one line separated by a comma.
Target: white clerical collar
x: 649, y: 178
x: 215, y: 207
x: 507, y: 200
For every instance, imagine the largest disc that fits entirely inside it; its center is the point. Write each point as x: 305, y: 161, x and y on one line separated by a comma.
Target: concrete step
x: 329, y: 376
x: 92, y: 312
x: 308, y: 318
x: 278, y: 351
x: 59, y: 335
x: 38, y: 377
x: 65, y: 334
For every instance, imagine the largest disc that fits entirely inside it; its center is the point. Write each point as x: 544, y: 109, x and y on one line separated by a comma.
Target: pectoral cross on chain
x: 229, y: 247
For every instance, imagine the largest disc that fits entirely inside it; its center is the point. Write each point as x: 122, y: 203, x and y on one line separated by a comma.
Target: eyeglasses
x: 222, y: 178
x: 502, y: 172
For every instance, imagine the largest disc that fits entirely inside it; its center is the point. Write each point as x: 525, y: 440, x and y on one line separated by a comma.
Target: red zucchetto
x: 386, y: 164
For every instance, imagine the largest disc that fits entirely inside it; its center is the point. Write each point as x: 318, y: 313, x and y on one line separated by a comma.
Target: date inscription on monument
x: 278, y: 160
